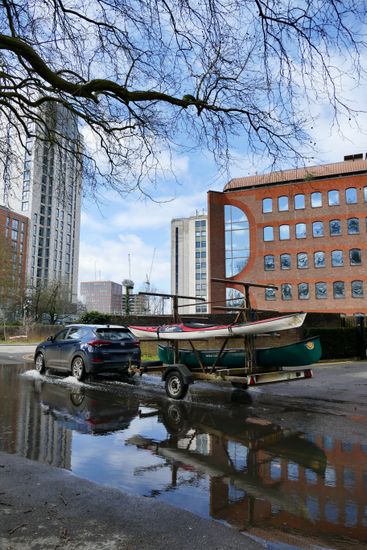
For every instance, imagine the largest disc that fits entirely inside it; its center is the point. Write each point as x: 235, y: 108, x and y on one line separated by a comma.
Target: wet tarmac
x: 221, y: 455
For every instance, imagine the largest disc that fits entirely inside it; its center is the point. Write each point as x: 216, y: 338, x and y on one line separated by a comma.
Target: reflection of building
x: 189, y: 260
x: 14, y: 229
x: 102, y: 296
x: 44, y: 184
x: 301, y: 230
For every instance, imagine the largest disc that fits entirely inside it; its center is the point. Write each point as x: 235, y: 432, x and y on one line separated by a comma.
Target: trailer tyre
x: 175, y: 385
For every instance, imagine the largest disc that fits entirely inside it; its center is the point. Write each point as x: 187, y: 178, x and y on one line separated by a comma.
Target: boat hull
x: 184, y: 332
x: 297, y: 354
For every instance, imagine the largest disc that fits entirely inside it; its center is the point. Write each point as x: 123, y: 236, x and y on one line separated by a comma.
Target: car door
x: 52, y: 349
x: 69, y: 346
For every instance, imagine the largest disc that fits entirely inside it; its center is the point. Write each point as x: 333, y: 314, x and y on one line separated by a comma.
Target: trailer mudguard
x: 183, y: 370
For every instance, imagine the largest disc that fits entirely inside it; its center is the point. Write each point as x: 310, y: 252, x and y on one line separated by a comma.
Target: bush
x: 336, y: 343
x: 95, y: 317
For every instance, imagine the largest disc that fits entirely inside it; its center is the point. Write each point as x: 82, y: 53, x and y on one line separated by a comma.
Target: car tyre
x: 39, y: 363
x: 78, y: 368
x: 175, y: 385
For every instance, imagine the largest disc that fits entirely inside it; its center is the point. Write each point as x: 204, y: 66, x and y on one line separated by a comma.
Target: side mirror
x: 50, y: 339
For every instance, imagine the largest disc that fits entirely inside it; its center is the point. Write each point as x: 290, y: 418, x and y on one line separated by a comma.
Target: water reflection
x: 220, y: 462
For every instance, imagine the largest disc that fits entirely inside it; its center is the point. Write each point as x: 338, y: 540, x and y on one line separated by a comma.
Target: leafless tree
x: 146, y: 76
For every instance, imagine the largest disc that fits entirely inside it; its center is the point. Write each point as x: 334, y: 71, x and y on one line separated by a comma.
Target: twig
x: 16, y: 528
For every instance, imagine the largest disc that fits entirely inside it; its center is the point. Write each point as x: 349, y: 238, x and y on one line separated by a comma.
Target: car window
x: 61, y: 335
x: 113, y: 335
x: 75, y: 333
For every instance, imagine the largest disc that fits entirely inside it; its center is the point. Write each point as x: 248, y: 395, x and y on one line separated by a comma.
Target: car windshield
x: 114, y: 334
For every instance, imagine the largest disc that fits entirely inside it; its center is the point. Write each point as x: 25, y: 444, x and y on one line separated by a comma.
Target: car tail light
x: 308, y: 373
x: 98, y: 343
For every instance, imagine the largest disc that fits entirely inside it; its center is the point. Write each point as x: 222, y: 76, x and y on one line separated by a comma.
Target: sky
x: 129, y: 238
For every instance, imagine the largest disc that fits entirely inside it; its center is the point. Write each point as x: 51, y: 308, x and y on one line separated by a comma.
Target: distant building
x: 43, y: 182
x: 102, y: 296
x: 189, y: 261
x: 14, y: 230
x: 304, y: 231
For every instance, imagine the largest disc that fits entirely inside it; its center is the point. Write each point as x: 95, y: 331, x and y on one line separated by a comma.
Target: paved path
x: 49, y: 508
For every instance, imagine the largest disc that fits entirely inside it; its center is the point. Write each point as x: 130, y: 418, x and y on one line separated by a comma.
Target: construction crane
x: 148, y: 276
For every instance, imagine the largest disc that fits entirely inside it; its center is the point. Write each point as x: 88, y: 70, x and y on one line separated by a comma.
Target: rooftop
x: 354, y: 165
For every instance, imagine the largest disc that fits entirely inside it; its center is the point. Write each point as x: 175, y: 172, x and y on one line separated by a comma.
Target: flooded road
x: 242, y: 461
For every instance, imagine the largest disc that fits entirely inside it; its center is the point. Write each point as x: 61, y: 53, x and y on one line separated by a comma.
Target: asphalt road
x: 42, y: 507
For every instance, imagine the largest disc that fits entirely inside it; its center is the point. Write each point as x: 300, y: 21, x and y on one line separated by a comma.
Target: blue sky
x: 121, y: 228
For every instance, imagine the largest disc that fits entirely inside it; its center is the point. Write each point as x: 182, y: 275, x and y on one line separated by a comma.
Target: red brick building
x: 14, y: 228
x: 303, y: 230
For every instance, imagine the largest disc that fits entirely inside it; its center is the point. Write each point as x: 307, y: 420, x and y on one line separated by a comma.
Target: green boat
x: 297, y: 354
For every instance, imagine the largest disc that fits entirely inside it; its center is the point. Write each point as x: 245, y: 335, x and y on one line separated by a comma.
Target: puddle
x: 221, y: 462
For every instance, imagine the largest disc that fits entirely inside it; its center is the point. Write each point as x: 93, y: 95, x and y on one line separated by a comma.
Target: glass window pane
x: 335, y: 227
x: 285, y: 261
x: 365, y: 194
x: 316, y: 200
x: 303, y: 291
x: 333, y: 198
x: 270, y: 294
x: 284, y: 232
x: 267, y: 205
x: 321, y: 291
x: 338, y: 289
x: 283, y: 204
x: 299, y: 202
x: 237, y: 240
x: 302, y: 260
x: 319, y: 259
x: 318, y: 229
x: 357, y: 289
x: 351, y: 195
x: 269, y: 262
x: 337, y: 258
x: 355, y: 256
x: 268, y: 233
x: 353, y: 226
x: 286, y: 291
x: 301, y: 231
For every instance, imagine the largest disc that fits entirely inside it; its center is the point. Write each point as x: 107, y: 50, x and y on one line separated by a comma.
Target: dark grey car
x: 89, y: 350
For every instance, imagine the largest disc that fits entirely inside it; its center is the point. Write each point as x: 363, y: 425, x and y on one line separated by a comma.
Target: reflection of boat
x: 86, y: 410
x: 198, y: 331
x: 290, y: 355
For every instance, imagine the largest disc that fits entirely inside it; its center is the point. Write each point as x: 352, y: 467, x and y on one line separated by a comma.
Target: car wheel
x: 39, y: 363
x: 78, y: 368
x: 175, y: 385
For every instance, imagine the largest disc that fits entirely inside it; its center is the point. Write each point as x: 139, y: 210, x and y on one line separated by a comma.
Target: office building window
x: 353, y: 226
x: 321, y: 291
x: 284, y: 233
x: 269, y: 262
x: 355, y: 256
x: 319, y: 259
x: 318, y: 229
x: 286, y: 290
x: 316, y: 200
x: 338, y: 289
x: 303, y: 291
x: 333, y: 198
x: 270, y: 294
x: 285, y: 261
x: 365, y: 194
x: 351, y: 195
x: 267, y: 205
x: 268, y: 233
x: 283, y: 204
x: 301, y: 232
x: 357, y: 289
x: 335, y: 227
x: 237, y: 240
x: 302, y: 260
x: 299, y: 202
x: 337, y: 258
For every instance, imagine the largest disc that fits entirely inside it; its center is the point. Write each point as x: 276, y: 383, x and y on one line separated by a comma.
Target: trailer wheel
x: 175, y: 385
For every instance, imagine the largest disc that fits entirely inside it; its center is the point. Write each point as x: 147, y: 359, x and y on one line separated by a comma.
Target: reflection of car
x: 89, y: 349
x: 87, y: 410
